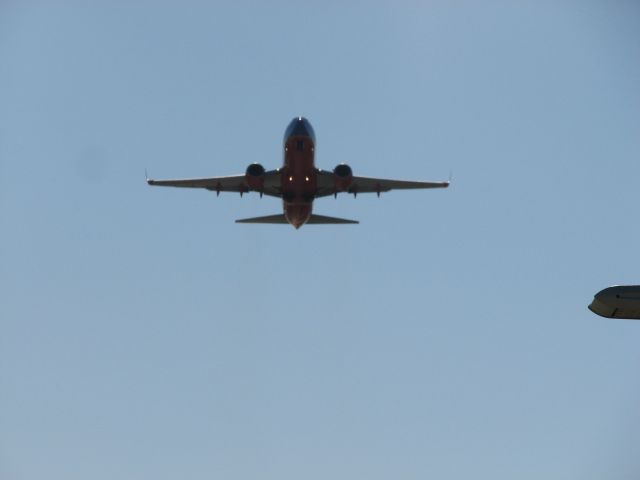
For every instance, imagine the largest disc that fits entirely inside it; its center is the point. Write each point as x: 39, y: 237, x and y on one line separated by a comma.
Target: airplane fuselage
x: 299, y: 177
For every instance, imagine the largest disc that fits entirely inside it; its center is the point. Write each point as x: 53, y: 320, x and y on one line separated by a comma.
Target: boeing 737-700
x: 298, y: 182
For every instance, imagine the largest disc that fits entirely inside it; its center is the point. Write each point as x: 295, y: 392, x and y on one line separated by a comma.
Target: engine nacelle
x: 343, y: 176
x: 255, y: 176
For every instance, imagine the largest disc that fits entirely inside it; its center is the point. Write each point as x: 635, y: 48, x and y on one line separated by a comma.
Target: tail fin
x: 280, y: 218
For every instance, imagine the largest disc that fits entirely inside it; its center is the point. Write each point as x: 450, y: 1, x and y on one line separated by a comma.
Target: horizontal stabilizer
x: 322, y: 219
x: 280, y: 218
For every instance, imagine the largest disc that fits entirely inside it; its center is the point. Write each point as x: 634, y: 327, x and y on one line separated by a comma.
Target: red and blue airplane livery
x: 298, y: 182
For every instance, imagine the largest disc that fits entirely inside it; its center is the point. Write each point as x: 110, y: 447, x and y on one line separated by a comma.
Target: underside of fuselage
x: 299, y: 178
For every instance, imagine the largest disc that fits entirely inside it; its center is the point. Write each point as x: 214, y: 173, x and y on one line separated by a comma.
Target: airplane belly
x: 297, y: 213
x: 615, y: 310
x: 299, y: 177
x: 299, y: 182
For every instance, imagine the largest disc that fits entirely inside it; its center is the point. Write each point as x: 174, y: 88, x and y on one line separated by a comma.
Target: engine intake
x: 343, y: 175
x: 255, y: 176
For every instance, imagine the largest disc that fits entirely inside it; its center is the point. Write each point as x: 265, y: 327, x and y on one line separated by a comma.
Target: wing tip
x: 147, y: 179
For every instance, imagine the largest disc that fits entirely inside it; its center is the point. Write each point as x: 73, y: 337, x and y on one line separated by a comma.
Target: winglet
x: 146, y: 176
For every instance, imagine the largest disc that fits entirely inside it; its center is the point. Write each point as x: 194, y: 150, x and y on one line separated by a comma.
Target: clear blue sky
x: 143, y: 334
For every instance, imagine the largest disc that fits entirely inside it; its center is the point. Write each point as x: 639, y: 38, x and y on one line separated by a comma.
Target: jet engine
x: 343, y: 175
x: 255, y: 176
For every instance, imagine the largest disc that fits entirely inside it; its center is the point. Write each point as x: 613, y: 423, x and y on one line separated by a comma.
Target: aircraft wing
x: 232, y: 183
x: 371, y: 185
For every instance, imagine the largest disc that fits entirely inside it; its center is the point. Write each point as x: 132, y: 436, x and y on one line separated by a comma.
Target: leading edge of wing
x: 326, y: 184
x: 231, y: 183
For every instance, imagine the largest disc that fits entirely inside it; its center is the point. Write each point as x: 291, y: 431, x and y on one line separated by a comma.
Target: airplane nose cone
x: 299, y: 127
x: 620, y: 301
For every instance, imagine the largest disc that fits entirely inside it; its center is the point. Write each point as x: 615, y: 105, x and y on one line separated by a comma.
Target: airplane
x: 619, y: 301
x: 298, y: 182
